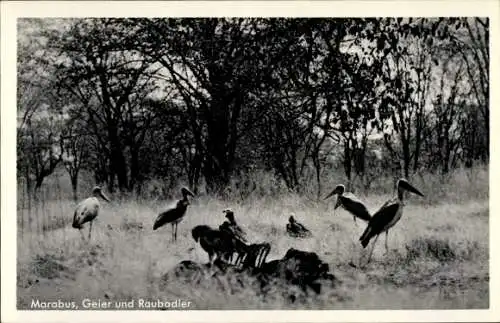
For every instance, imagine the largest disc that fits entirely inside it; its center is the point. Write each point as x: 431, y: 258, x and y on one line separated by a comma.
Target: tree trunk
x: 134, y: 169
x: 117, y: 161
x: 39, y: 182
x: 74, y: 185
x: 347, y: 160
x: 217, y: 166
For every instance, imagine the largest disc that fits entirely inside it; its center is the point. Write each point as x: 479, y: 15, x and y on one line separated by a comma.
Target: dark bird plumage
x: 214, y: 242
x: 388, y: 215
x: 256, y: 254
x: 175, y: 214
x: 350, y: 203
x: 239, y: 246
x: 296, y: 229
x: 232, y: 227
x: 88, y: 209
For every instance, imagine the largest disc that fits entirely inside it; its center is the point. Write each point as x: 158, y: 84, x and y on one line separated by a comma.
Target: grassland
x: 438, y: 258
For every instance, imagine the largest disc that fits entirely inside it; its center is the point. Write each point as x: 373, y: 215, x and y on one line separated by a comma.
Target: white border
x: 10, y: 10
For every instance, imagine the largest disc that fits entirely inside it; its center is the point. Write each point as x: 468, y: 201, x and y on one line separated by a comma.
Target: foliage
x: 207, y: 101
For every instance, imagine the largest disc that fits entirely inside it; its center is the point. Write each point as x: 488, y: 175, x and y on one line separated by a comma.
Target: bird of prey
x: 297, y: 230
x: 216, y: 243
x: 232, y: 226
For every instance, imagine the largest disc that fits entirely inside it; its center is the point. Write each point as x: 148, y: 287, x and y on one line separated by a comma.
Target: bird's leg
x: 175, y: 235
x: 356, y: 223
x: 239, y: 258
x: 173, y: 232
x: 373, y: 248
x: 258, y: 255
x: 370, y: 254
x: 386, y: 245
x: 90, y: 229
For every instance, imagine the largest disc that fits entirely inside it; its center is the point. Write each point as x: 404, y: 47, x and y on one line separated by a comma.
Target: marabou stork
x: 387, y: 216
x: 295, y: 229
x: 350, y: 203
x: 175, y: 214
x: 88, y: 210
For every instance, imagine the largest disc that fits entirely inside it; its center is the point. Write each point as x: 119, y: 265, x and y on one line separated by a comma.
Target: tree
x: 76, y: 151
x: 110, y: 82
x: 39, y: 149
x: 472, y: 39
x: 218, y: 67
x: 38, y: 129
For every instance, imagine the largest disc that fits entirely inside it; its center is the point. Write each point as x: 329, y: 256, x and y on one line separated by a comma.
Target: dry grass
x: 438, y: 259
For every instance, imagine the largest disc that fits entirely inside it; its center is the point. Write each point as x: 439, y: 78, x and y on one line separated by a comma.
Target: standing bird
x: 214, y: 242
x: 175, y: 214
x: 88, y: 210
x: 387, y: 216
x: 350, y: 203
x: 232, y: 227
x: 239, y: 246
x: 296, y: 230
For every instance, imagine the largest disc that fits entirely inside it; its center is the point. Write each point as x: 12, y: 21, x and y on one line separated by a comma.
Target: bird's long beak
x: 105, y: 197
x: 332, y: 193
x: 187, y: 192
x: 407, y: 186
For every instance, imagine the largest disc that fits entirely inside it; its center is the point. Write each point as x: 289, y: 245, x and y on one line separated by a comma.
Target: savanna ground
x: 438, y: 258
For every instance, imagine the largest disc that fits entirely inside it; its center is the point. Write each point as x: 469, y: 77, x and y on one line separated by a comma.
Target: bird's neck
x: 183, y: 203
x: 401, y: 194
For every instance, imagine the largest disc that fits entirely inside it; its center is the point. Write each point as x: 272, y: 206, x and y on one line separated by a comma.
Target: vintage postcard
x: 249, y: 161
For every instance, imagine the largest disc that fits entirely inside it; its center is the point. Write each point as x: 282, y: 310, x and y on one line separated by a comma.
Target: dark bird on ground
x: 217, y: 244
x: 239, y: 246
x: 88, y: 210
x: 297, y: 230
x: 350, y: 203
x: 252, y: 255
x: 387, y: 216
x: 175, y: 214
x: 301, y: 268
x: 232, y: 227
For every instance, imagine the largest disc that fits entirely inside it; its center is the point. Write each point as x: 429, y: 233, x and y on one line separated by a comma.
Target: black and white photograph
x: 241, y: 162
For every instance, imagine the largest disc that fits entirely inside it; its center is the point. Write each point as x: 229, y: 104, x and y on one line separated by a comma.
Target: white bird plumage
x: 88, y: 210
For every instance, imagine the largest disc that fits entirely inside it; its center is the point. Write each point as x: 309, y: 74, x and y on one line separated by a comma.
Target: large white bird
x: 88, y: 210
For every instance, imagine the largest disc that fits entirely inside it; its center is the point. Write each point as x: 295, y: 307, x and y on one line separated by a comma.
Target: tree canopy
x: 209, y: 100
